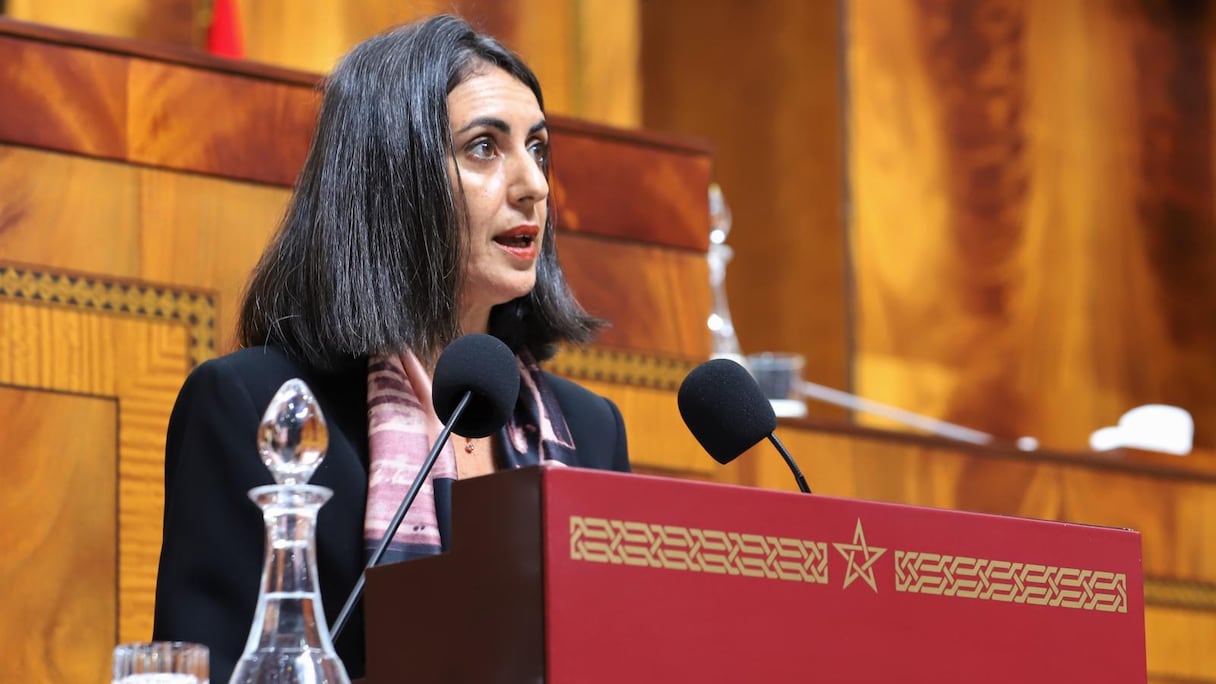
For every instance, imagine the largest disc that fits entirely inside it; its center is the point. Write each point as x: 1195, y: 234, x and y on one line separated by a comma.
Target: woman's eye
x: 482, y: 148
x: 540, y: 152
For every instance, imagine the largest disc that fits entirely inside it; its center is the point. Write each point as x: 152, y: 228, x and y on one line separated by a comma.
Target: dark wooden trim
x: 673, y: 143
x: 184, y: 56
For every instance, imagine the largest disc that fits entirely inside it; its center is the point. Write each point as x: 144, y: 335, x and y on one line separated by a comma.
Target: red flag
x: 224, y: 33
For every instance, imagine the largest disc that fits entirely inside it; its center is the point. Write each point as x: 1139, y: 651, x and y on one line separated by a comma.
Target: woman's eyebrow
x: 501, y: 125
x: 486, y: 121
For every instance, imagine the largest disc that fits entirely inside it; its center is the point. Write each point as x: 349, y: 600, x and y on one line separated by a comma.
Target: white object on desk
x: 1152, y: 427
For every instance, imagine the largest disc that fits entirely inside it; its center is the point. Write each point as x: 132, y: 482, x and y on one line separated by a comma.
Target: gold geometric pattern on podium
x: 125, y: 342
x: 672, y: 547
x: 1010, y: 582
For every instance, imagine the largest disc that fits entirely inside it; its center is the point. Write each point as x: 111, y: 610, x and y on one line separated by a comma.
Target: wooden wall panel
x: 543, y: 32
x: 607, y: 57
x: 265, y: 139
x: 59, y: 517
x: 40, y: 220
x: 658, y: 298
x: 1179, y: 645
x: 585, y: 52
x: 660, y: 185
x: 201, y: 232
x: 206, y: 233
x: 658, y: 442
x: 1033, y: 237
x: 63, y: 99
x: 760, y: 81
x: 135, y: 363
x: 110, y: 218
x: 150, y: 111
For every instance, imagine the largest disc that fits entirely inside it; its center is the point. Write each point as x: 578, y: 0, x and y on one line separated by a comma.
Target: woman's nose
x: 528, y: 182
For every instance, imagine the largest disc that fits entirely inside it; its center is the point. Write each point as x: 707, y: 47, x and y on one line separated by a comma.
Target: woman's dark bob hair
x: 368, y: 258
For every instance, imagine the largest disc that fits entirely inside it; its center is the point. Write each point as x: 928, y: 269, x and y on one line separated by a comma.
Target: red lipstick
x: 519, y: 241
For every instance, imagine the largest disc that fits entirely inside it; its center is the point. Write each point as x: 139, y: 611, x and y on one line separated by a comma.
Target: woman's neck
x: 475, y: 320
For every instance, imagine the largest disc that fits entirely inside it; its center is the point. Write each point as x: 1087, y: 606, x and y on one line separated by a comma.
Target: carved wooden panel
x: 126, y: 345
x: 40, y: 221
x: 585, y: 52
x: 105, y: 217
x: 166, y: 226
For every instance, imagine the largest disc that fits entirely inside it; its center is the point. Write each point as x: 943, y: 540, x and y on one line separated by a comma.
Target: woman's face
x: 501, y: 146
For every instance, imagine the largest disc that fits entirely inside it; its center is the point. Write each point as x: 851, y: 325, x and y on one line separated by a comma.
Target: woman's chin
x: 516, y: 286
x: 500, y: 292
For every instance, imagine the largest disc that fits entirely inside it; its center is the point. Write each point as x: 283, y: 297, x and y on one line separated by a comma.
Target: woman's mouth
x: 520, y: 241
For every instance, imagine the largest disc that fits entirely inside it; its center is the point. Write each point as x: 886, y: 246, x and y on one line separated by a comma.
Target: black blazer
x: 211, y: 557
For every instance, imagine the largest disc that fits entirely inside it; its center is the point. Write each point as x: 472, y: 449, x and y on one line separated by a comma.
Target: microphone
x: 474, y: 391
x: 725, y: 410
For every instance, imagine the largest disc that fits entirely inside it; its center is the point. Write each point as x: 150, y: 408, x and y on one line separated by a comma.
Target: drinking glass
x: 779, y: 375
x: 161, y: 662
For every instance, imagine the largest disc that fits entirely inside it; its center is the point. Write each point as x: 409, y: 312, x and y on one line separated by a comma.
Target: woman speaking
x: 422, y: 213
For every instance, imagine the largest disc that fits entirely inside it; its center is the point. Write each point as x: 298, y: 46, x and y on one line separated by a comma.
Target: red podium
x: 565, y: 576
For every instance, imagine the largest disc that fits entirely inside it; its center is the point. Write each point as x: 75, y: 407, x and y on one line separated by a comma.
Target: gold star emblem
x: 865, y: 569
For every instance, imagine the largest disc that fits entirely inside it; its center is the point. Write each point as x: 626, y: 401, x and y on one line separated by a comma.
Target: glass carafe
x: 289, y: 641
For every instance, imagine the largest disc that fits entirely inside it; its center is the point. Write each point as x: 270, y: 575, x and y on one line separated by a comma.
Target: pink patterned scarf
x: 402, y: 426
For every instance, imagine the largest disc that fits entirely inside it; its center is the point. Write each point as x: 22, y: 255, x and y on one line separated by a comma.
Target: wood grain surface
x: 59, y: 568
x: 760, y: 82
x: 655, y: 299
x: 1033, y: 241
x: 133, y: 366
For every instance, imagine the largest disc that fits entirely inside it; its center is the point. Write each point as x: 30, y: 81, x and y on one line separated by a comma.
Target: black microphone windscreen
x: 724, y: 409
x: 483, y: 365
